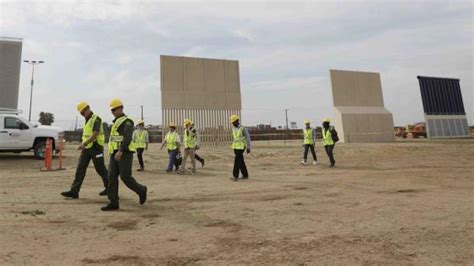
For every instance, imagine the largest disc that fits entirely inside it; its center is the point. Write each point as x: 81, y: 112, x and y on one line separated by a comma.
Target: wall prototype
x: 204, y: 90
x: 359, y: 107
x: 444, y: 108
x: 10, y: 58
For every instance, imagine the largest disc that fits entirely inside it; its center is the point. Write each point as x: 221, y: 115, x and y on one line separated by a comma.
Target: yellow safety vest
x: 88, y: 130
x: 308, y: 136
x: 239, y: 142
x: 189, y: 139
x: 327, y: 138
x: 115, y: 137
x: 140, y: 139
x: 171, y: 140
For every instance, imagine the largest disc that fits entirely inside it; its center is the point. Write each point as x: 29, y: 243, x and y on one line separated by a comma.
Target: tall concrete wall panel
x: 204, y: 90
x: 10, y: 65
x: 194, y: 76
x: 352, y: 88
x: 359, y: 107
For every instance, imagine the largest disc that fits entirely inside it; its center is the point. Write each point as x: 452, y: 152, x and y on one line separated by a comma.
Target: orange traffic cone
x: 48, y: 154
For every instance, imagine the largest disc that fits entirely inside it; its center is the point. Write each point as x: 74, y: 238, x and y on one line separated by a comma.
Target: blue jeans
x: 172, y: 159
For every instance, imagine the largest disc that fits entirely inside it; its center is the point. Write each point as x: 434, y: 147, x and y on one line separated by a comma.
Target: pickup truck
x: 18, y: 135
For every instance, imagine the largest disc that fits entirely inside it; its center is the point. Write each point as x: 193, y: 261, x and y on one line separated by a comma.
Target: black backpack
x: 334, y: 136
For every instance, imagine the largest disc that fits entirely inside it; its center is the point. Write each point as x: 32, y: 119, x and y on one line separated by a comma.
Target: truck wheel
x: 40, y: 150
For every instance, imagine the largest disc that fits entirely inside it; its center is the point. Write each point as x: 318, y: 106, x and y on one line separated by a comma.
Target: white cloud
x: 104, y: 49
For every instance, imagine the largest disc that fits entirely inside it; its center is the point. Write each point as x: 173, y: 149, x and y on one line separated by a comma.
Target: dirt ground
x: 399, y: 203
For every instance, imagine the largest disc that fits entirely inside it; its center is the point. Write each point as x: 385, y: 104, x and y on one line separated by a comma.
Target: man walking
x: 121, y: 149
x: 240, y: 143
x: 92, y: 148
x: 308, y: 142
x: 140, y: 138
x: 328, y: 142
x: 172, y: 143
x: 190, y: 143
x: 198, y: 158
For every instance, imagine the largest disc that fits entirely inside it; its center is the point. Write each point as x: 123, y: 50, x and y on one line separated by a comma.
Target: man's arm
x: 247, y: 138
x: 196, y: 136
x: 96, y: 132
x: 178, y: 140
x: 163, y: 144
x: 127, y: 132
x: 147, y: 139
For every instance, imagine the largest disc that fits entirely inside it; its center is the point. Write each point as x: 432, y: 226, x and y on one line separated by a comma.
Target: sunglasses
x: 115, y: 109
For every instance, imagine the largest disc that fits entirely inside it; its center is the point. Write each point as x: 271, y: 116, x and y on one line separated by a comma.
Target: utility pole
x: 32, y: 63
x: 286, y: 117
x: 141, y: 106
x: 75, y: 127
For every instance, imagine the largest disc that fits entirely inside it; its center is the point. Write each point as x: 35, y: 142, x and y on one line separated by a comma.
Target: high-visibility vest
x: 239, y: 143
x: 308, y: 136
x: 88, y: 130
x: 115, y: 137
x: 171, y: 138
x: 189, y: 139
x: 140, y: 139
x: 327, y: 138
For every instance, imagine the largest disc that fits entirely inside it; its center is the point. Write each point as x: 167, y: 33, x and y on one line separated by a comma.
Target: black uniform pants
x: 239, y: 164
x: 329, y: 151
x: 124, y: 169
x: 140, y: 157
x: 97, y: 157
x: 311, y: 148
x: 199, y: 158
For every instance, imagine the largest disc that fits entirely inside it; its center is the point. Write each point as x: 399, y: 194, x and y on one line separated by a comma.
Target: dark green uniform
x: 124, y: 166
x: 94, y: 153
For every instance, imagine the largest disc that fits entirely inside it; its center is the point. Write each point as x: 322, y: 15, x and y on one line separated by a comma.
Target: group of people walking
x: 121, y: 147
x: 125, y: 140
x: 329, y: 136
x: 172, y: 142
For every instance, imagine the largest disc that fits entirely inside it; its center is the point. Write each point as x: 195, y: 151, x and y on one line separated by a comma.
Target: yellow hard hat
x: 326, y: 120
x: 187, y: 121
x: 234, y: 118
x: 115, y: 103
x: 307, y: 122
x: 81, y: 106
x: 139, y: 122
x: 172, y: 124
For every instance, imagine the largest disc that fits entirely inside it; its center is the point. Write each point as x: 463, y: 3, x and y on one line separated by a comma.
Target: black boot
x: 143, y: 196
x: 70, y: 194
x: 103, y: 193
x: 110, y: 207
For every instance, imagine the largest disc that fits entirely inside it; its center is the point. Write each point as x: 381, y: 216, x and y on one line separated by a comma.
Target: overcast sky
x: 97, y: 50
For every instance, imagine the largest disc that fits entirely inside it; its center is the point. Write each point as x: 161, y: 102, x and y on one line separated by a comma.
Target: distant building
x: 263, y: 127
x: 293, y: 125
x: 10, y: 65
